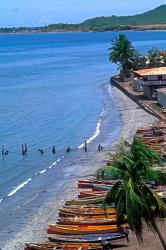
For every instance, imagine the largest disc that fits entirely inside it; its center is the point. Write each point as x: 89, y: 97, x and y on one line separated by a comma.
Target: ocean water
x: 54, y: 90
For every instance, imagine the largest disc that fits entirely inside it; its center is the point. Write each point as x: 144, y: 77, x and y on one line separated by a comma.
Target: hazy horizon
x: 39, y: 12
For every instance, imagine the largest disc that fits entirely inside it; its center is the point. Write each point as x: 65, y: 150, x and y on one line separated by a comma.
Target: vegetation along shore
x: 151, y: 20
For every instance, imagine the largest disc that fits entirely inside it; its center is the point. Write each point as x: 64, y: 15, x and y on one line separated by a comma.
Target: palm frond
x: 152, y: 174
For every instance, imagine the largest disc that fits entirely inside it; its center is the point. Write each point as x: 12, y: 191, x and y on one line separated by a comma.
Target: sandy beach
x: 35, y: 230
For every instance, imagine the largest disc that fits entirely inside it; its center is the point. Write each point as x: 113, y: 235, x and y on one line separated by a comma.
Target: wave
x: 15, y: 190
x: 43, y: 171
x: 23, y: 184
x: 95, y: 133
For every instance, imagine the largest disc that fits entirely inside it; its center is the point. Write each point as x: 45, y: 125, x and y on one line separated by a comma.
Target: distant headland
x: 151, y: 20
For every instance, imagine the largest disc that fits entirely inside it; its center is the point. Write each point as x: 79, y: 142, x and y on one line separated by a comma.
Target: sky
x: 43, y: 12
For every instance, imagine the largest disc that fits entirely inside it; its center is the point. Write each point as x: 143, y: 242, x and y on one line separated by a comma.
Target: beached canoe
x: 79, y: 229
x: 87, y: 211
x: 92, y: 197
x: 86, y: 217
x: 82, y: 220
x: 96, y: 200
x: 64, y: 246
x: 86, y: 206
x: 87, y: 185
x: 89, y: 182
x: 85, y: 194
x: 96, y: 181
x: 92, y: 238
x: 41, y: 246
x: 101, y: 187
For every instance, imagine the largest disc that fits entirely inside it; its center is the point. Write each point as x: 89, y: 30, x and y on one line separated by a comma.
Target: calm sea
x: 54, y: 90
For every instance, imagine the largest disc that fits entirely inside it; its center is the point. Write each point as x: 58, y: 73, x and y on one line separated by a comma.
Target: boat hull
x: 90, y: 239
x: 98, y: 200
x: 80, y: 230
x: 86, y: 211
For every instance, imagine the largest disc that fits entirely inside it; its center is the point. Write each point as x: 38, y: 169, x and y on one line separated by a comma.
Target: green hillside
x: 154, y: 19
x: 156, y: 16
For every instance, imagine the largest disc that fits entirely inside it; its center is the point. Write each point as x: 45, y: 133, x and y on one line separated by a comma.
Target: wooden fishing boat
x: 64, y: 214
x: 96, y: 181
x: 86, y: 206
x: 90, y: 221
x: 42, y: 246
x: 92, y: 238
x: 83, y: 229
x: 90, y: 183
x: 84, y: 194
x: 86, y: 217
x: 95, y: 200
x: 88, y: 211
x: 92, y: 197
x: 96, y: 210
x: 64, y: 246
x: 101, y: 187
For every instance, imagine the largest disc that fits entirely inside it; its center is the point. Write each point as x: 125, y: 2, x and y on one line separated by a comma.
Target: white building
x: 150, y: 80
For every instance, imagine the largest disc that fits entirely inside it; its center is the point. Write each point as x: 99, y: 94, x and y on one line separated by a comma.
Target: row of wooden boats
x: 154, y: 137
x: 84, y: 223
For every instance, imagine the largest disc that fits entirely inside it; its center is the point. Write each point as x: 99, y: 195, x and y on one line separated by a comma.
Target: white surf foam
x: 20, y: 186
x: 43, y: 171
x: 95, y: 133
x: 16, y: 189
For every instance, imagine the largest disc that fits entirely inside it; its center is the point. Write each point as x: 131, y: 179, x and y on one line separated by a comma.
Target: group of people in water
x: 68, y: 149
x: 24, y: 149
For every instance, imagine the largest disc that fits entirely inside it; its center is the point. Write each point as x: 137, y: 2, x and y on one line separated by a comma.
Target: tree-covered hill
x: 153, y: 19
x: 156, y: 16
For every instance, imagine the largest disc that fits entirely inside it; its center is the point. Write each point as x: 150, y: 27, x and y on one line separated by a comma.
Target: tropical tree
x: 164, y: 59
x: 121, y: 53
x: 132, y: 195
x: 138, y: 61
x: 154, y: 57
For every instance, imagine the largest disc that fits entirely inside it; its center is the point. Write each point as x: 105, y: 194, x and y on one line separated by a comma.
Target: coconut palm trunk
x: 160, y: 236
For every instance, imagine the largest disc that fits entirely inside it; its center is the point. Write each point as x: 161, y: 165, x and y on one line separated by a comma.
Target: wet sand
x: 35, y: 230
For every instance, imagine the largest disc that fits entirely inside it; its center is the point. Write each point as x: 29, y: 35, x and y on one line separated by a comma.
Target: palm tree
x: 121, y: 53
x: 133, y: 197
x: 154, y: 57
x: 139, y: 61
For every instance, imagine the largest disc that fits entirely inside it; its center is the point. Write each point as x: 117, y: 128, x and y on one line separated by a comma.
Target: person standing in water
x: 53, y: 150
x: 85, y: 147
x: 26, y: 149
x: 68, y: 150
x: 41, y: 151
x: 3, y: 150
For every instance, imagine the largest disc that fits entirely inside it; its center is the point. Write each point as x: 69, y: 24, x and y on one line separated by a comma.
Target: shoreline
x: 35, y: 229
x: 82, y: 31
